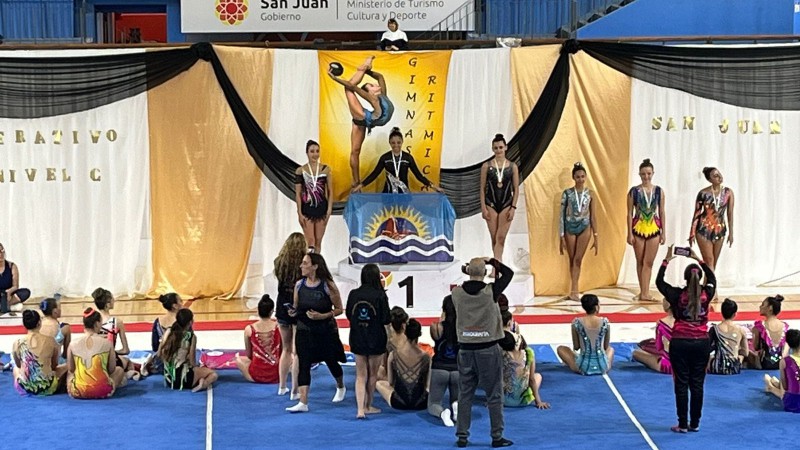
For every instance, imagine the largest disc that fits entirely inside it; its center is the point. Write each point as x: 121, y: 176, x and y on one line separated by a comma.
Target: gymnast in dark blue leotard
x: 364, y: 119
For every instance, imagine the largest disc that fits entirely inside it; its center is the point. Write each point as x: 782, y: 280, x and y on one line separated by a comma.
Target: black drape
x: 751, y: 77
x: 526, y: 148
x: 42, y: 87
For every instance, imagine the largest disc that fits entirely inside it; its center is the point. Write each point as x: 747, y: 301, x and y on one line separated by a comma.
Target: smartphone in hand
x: 683, y: 251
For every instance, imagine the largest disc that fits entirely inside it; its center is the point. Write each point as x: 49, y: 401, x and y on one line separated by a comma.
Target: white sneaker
x: 445, y: 415
x: 339, y: 394
x: 455, y: 411
x: 298, y: 408
x: 283, y: 391
x: 294, y: 396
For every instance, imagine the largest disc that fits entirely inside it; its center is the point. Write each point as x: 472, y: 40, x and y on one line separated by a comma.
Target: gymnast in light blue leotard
x: 61, y: 332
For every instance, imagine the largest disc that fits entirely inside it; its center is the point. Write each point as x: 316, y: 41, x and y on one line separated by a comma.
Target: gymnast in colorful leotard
x: 769, y: 336
x: 591, y: 352
x: 60, y: 331
x: 654, y: 353
x: 92, y: 363
x: 363, y: 118
x: 35, y: 358
x: 499, y: 193
x: 646, y: 226
x: 788, y: 387
x: 576, y: 225
x: 713, y: 206
x: 521, y: 383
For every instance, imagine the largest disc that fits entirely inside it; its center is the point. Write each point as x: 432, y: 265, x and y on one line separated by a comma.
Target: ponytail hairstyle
x: 413, y: 330
x: 47, y: 306
x: 398, y: 317
x: 91, y: 317
x: 646, y: 163
x: 449, y: 322
x: 177, y: 331
x: 102, y: 298
x: 396, y: 132
x: 31, y: 319
x: 499, y: 138
x: 169, y: 300
x: 693, y: 275
x: 775, y: 304
x: 311, y: 142
x: 707, y: 171
x: 577, y: 167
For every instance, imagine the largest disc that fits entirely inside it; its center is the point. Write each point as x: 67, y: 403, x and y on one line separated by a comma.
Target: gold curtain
x: 204, y: 184
x: 594, y: 129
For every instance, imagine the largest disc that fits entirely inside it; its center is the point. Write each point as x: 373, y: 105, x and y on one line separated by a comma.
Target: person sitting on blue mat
x: 520, y: 381
x: 11, y: 296
x: 93, y: 372
x: 788, y: 387
x: 408, y: 371
x: 60, y: 331
x: 35, y: 356
x: 591, y: 337
x: 173, y: 303
x: 179, y: 352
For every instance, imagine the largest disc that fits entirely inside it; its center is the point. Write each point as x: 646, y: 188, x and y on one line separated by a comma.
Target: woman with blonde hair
x: 287, y: 271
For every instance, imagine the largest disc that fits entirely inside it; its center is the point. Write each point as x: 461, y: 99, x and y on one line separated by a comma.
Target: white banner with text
x: 277, y: 16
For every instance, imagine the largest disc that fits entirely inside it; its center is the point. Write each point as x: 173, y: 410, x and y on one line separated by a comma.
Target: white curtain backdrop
x: 73, y: 236
x: 478, y: 105
x: 760, y: 168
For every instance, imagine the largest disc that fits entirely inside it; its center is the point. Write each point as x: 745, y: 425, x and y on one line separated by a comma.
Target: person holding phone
x: 713, y: 206
x: 690, y: 344
x: 646, y: 226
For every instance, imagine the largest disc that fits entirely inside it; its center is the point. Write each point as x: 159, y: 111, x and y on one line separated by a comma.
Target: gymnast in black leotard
x: 499, y: 193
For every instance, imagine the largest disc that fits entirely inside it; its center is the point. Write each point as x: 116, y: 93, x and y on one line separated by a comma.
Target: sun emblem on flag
x: 232, y: 12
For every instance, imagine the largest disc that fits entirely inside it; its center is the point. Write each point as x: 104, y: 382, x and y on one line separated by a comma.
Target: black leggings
x: 304, y: 376
x: 689, y: 358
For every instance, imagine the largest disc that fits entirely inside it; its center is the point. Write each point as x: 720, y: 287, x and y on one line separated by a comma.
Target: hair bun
x: 646, y: 161
x: 97, y: 293
x: 395, y: 128
x: 578, y: 164
x: 779, y: 297
x: 499, y: 136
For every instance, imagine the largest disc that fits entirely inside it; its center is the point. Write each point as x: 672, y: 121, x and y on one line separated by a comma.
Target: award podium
x: 410, y: 237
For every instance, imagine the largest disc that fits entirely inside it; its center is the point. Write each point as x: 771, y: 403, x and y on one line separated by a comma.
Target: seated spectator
x: 262, y: 343
x: 112, y: 328
x: 408, y: 370
x: 769, y: 336
x: 788, y: 387
x: 92, y: 364
x: 394, y: 39
x: 60, y: 331
x: 520, y: 381
x: 35, y: 356
x: 444, y: 365
x: 179, y: 352
x: 591, y: 337
x: 728, y: 342
x: 172, y: 303
x: 654, y: 353
x: 11, y: 296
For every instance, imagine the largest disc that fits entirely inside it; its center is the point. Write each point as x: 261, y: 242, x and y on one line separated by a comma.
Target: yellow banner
x: 416, y: 83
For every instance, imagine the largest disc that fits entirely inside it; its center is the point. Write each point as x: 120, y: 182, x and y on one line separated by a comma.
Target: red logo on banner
x: 232, y: 12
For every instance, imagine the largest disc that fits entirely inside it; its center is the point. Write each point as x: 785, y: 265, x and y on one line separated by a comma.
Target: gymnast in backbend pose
x: 364, y: 120
x: 499, y: 193
x: 713, y: 205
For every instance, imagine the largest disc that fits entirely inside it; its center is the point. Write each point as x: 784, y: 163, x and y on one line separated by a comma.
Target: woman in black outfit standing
x: 368, y: 313
x: 316, y: 303
x: 690, y: 345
